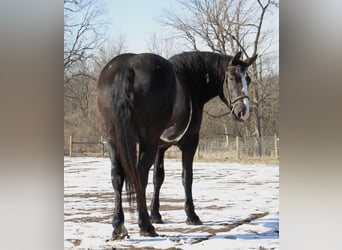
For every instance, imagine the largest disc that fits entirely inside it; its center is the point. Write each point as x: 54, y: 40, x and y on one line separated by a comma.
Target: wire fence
x: 222, y: 148
x: 240, y: 147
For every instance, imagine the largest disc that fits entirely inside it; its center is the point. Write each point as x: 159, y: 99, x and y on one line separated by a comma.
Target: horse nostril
x: 241, y: 114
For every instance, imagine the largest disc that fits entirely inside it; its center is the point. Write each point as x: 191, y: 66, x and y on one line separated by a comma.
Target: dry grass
x: 223, y: 156
x: 228, y: 156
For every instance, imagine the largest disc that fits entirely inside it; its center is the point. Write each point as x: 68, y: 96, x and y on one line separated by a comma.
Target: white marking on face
x: 245, y: 92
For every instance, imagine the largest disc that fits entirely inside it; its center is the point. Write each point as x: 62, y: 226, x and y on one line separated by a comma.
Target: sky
x: 137, y: 20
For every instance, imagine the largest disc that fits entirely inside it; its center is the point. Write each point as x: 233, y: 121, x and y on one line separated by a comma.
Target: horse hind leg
x: 158, y: 179
x: 118, y: 177
x: 147, y: 155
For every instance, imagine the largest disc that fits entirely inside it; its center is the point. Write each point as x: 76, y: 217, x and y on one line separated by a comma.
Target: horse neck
x: 203, y: 75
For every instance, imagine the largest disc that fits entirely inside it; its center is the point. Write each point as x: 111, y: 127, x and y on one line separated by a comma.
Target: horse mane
x: 196, y: 68
x: 199, y: 60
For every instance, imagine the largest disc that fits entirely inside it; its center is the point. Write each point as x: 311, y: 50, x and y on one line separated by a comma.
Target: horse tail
x: 125, y: 138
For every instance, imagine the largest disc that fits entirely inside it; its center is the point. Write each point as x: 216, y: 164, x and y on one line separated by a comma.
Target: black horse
x: 147, y: 101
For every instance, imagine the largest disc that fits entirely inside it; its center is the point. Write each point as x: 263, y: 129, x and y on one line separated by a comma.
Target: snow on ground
x: 237, y: 203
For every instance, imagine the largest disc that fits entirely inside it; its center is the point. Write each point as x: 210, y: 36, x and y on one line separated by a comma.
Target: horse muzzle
x: 240, y: 111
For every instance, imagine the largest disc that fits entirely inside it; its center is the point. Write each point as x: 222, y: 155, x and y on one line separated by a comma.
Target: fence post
x: 237, y: 148
x: 102, y: 146
x: 276, y: 145
x: 226, y: 132
x: 70, y: 146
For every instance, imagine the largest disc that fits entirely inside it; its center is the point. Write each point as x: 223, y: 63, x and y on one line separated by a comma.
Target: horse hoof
x: 120, y: 236
x: 120, y: 233
x: 156, y: 220
x: 150, y: 233
x: 195, y: 221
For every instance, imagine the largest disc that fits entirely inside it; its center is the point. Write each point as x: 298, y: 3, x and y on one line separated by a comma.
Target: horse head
x: 236, y: 83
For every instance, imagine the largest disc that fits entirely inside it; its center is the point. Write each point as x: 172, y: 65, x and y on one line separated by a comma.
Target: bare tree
x: 109, y: 50
x: 83, y: 33
x: 165, y: 47
x: 229, y: 26
x: 80, y: 93
x: 224, y: 26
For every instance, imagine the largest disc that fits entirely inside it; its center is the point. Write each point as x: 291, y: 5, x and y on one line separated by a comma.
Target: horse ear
x: 251, y: 60
x: 236, y: 58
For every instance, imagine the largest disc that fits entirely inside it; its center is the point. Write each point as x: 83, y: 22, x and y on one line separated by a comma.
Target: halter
x: 230, y: 103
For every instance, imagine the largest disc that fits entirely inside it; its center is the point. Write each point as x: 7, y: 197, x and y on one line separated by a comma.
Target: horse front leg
x: 188, y: 152
x: 118, y: 177
x: 158, y: 179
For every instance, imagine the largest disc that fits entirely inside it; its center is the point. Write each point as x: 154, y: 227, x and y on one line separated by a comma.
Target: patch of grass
x: 263, y: 160
x: 266, y: 160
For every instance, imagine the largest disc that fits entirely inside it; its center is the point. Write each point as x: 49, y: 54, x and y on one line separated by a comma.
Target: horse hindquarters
x: 117, y: 116
x: 135, y: 98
